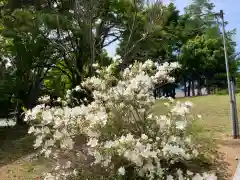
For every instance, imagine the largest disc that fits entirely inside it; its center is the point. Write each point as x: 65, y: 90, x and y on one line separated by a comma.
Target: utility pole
x: 231, y: 89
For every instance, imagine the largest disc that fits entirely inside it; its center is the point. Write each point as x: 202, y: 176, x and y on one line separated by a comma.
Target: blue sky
x: 230, y: 8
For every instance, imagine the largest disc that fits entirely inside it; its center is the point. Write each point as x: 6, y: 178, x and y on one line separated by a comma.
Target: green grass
x: 16, y: 145
x: 215, y: 112
x: 214, y: 130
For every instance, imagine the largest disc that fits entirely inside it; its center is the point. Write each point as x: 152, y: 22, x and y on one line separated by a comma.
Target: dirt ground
x: 230, y: 148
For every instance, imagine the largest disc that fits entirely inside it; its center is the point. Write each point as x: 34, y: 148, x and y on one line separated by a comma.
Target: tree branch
x: 131, y: 31
x: 110, y: 42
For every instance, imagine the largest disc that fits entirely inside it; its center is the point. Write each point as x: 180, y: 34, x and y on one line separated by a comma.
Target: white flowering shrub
x: 117, y: 133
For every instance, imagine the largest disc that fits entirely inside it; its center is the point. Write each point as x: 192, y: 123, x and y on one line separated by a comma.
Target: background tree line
x: 49, y: 46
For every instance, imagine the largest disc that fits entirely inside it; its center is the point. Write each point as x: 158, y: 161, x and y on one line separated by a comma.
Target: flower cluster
x: 117, y: 130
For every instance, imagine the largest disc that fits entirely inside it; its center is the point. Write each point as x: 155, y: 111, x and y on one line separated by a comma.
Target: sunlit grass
x: 215, y: 112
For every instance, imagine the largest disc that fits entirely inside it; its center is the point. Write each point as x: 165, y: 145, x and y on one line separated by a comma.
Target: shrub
x: 225, y: 91
x: 116, y: 132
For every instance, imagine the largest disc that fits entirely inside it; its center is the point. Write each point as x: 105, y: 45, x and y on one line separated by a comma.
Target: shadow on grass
x: 14, y: 144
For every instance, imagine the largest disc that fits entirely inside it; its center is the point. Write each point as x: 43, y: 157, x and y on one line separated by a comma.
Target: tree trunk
x: 185, y: 87
x: 155, y: 93
x: 208, y: 86
x: 193, y: 88
x: 208, y: 90
x: 20, y: 121
x: 9, y: 105
x: 173, y: 92
x: 33, y: 95
x: 199, y: 92
x: 189, y: 88
x: 19, y: 117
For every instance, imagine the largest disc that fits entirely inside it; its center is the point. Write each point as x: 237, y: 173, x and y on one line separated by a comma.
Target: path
x: 230, y: 148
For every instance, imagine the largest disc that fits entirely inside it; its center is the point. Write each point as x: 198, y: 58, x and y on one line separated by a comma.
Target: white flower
x: 71, y: 11
x: 44, y: 99
x: 211, y: 177
x: 116, y: 57
x: 107, y: 161
x: 170, y: 177
x: 195, y: 152
x: 188, y: 104
x: 47, y: 153
x: 67, y: 143
x: 166, y: 104
x: 144, y: 136
x: 126, y: 139
x: 49, y: 176
x: 188, y: 140
x: 49, y: 142
x: 58, y: 112
x: 95, y: 65
x: 98, y: 71
x: 199, y: 116
x: 98, y: 21
x: 181, y: 125
x: 121, y: 171
x: 197, y: 177
x: 38, y: 141
x: 110, y: 144
x: 58, y: 135
x: 92, y: 142
x: 31, y: 130
x: 47, y: 116
x: 180, y: 174
x: 98, y: 157
x: 189, y: 173
x: 68, y: 164
x: 180, y: 109
x: 150, y: 116
x: 32, y: 114
x: 77, y: 88
x: 75, y: 172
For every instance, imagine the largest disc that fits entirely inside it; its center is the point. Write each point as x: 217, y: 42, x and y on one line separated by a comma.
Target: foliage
x: 155, y: 39
x: 41, y: 38
x: 56, y: 83
x: 118, y: 130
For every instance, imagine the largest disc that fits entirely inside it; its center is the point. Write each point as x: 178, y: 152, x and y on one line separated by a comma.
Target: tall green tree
x: 202, y: 54
x: 155, y: 40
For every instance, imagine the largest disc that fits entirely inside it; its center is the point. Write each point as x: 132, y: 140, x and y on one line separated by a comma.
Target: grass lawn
x: 215, y: 111
x: 16, y: 148
x: 216, y: 121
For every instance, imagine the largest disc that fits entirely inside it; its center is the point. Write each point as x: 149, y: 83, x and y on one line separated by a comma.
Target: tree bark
x: 193, y: 88
x: 19, y: 117
x: 185, y: 87
x: 173, y: 92
x: 189, y: 88
x: 33, y: 95
x: 199, y: 93
x: 208, y: 90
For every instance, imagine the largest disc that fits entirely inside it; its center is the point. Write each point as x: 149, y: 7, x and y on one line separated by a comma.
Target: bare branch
x: 135, y: 44
x: 110, y: 42
x: 131, y: 31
